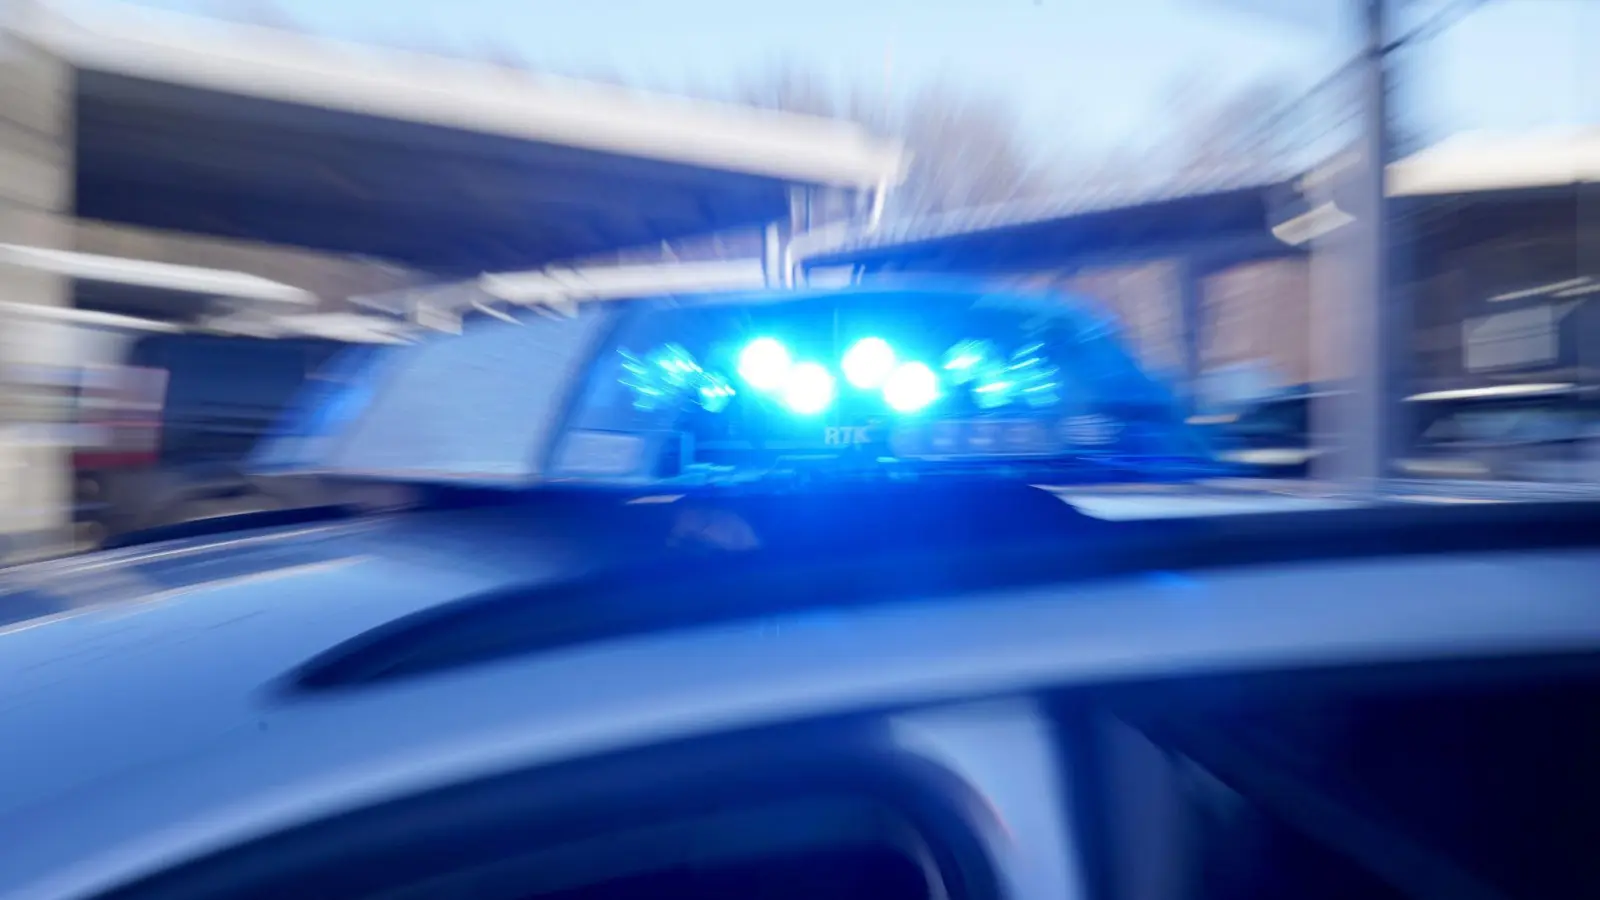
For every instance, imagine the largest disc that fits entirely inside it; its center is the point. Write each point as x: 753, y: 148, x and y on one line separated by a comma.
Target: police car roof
x: 154, y: 735
x: 145, y: 678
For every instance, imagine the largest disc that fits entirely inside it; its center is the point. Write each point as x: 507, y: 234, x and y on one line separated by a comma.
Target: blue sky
x: 1083, y: 74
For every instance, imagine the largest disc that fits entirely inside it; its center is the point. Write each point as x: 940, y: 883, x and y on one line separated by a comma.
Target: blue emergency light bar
x: 728, y: 387
x: 767, y: 369
x: 863, y: 381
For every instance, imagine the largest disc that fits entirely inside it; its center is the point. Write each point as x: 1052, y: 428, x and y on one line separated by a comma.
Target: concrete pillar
x: 36, y: 115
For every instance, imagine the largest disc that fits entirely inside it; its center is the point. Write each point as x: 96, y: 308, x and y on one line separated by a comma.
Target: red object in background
x: 119, y: 417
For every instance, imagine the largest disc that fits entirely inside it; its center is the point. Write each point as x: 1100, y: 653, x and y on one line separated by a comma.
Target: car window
x: 1287, y: 420
x: 796, y: 813
x: 223, y: 393
x: 819, y: 847
x: 1466, y: 780
x: 1505, y: 423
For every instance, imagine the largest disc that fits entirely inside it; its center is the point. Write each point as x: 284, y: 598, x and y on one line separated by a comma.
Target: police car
x: 743, y: 597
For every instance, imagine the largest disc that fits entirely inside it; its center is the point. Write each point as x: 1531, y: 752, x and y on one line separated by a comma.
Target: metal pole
x: 1360, y: 330
x: 774, y: 255
x: 1388, y: 326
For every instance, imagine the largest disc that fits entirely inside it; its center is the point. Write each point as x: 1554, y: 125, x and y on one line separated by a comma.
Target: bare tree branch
x: 967, y: 151
x: 966, y: 148
x: 1263, y: 130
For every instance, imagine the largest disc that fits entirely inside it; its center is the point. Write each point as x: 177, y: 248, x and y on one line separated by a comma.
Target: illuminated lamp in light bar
x: 868, y: 363
x: 966, y: 360
x: 764, y: 364
x: 992, y: 387
x: 1035, y: 378
x: 911, y: 387
x: 808, y: 389
x: 715, y: 393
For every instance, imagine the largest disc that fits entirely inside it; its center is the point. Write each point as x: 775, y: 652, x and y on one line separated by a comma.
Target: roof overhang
x: 1222, y: 223
x: 86, y: 318
x: 615, y: 282
x: 136, y: 295
x: 1519, y: 179
x: 136, y: 274
x: 1219, y: 224
x: 560, y: 288
x: 349, y: 328
x: 246, y: 132
x: 1477, y: 163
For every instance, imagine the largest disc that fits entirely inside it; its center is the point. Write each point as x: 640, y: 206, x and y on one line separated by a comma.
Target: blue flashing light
x: 993, y: 389
x: 669, y: 376
x: 808, y: 389
x: 1038, y: 379
x: 868, y: 363
x: 662, y: 378
x: 764, y: 364
x: 715, y: 393
x: 678, y: 370
x: 911, y: 387
x: 964, y: 361
x: 649, y: 391
x: 995, y: 381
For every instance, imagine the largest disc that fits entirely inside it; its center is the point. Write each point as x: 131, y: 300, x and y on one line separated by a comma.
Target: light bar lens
x: 911, y: 387
x: 990, y: 381
x: 808, y: 389
x: 868, y: 363
x: 715, y: 393
x: 965, y: 361
x: 1038, y: 381
x: 764, y: 364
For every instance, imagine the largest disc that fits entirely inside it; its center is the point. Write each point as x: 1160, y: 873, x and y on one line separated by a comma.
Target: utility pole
x: 1361, y: 325
x: 1380, y: 335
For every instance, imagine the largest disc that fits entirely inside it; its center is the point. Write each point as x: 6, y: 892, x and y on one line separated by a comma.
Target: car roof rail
x: 696, y: 590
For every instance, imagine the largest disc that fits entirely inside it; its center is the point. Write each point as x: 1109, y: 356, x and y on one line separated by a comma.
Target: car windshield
x: 1285, y: 420
x: 1509, y: 422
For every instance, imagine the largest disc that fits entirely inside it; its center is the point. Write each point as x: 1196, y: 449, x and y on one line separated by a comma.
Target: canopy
x: 453, y: 167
